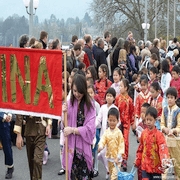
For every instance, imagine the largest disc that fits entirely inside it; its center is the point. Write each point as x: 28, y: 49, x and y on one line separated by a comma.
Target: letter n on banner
x: 24, y: 84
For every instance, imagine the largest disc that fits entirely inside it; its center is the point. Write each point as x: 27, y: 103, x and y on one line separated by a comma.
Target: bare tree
x: 121, y: 16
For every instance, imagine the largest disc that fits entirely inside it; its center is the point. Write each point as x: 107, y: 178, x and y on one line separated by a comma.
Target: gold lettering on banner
x: 42, y: 70
x: 3, y: 77
x: 24, y: 84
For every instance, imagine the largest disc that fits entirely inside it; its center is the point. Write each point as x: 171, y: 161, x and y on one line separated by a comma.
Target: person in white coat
x: 101, y: 121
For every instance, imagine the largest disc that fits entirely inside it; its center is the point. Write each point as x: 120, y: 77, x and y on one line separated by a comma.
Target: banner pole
x: 65, y: 114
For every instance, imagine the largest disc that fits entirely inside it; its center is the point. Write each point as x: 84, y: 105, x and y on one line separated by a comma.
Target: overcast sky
x: 60, y: 8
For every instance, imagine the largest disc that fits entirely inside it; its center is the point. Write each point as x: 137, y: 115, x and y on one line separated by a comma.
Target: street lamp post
x: 145, y: 26
x: 174, y: 18
x: 156, y: 19
x: 168, y: 22
x: 176, y: 3
x: 145, y: 30
x: 31, y: 4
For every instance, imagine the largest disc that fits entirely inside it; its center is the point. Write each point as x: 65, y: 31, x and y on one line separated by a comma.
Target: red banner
x: 31, y: 82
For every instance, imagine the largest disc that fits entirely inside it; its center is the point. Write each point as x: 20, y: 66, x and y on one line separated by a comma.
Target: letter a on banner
x: 42, y: 70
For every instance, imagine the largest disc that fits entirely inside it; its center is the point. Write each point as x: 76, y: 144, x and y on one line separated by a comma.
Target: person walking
x: 5, y: 138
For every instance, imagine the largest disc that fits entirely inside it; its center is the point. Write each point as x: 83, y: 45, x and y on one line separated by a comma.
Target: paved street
x: 51, y: 169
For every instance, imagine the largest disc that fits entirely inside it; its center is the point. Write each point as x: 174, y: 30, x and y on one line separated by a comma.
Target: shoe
x: 45, y: 157
x: 124, y: 165
x: 95, y: 173
x: 55, y: 137
x: 61, y: 172
x: 107, y: 175
x: 134, y: 131
x: 9, y: 173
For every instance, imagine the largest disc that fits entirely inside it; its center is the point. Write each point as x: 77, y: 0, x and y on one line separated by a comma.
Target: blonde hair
x: 176, y: 52
x: 156, y: 63
x: 163, y: 44
x: 130, y: 32
x: 122, y: 56
x: 178, y: 61
x: 37, y: 45
x: 137, y: 50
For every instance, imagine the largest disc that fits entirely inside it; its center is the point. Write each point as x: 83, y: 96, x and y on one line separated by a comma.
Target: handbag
x: 126, y: 175
x: 171, y: 141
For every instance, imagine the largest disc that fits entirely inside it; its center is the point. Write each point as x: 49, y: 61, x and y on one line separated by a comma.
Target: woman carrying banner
x: 81, y: 116
x: 36, y: 129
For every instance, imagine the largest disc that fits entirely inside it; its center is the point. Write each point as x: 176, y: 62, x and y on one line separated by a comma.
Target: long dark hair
x: 80, y: 82
x: 93, y: 72
x: 104, y: 68
x: 165, y: 66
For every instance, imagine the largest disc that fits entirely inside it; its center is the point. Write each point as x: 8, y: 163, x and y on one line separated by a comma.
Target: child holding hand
x: 152, y: 150
x: 114, y: 141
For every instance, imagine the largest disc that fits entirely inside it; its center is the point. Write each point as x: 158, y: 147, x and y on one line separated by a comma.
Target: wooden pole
x: 65, y: 114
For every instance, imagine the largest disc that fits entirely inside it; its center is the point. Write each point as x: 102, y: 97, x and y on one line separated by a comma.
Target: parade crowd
x: 115, y: 86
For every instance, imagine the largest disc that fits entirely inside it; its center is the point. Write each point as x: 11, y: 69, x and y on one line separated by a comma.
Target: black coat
x: 89, y: 52
x: 43, y: 43
x: 100, y: 57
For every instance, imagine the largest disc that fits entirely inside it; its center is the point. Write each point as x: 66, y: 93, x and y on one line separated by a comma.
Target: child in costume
x: 152, y: 149
x: 170, y: 125
x: 126, y: 109
x: 175, y: 82
x: 156, y: 101
x: 117, y: 76
x: 91, y: 91
x: 114, y: 141
x: 103, y: 83
x: 143, y: 97
x: 101, y: 120
x: 140, y: 128
x: 153, y: 72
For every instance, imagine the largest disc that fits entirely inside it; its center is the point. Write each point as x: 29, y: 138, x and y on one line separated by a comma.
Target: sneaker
x: 95, y: 173
x: 45, y: 157
x: 124, y: 165
x: 9, y: 173
x: 107, y: 175
x: 134, y: 132
x: 61, y: 172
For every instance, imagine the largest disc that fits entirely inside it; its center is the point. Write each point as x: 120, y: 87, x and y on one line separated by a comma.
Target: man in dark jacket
x: 100, y: 55
x: 74, y: 41
x: 43, y: 39
x: 155, y: 48
x: 88, y: 48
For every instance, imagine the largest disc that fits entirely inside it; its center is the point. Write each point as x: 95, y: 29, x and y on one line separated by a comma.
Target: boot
x: 9, y: 173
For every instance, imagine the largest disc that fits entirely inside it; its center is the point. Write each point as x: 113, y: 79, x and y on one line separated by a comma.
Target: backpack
x: 145, y: 63
x: 170, y: 54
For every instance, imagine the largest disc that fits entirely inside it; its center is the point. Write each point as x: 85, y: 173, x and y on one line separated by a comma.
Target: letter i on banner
x: 65, y: 114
